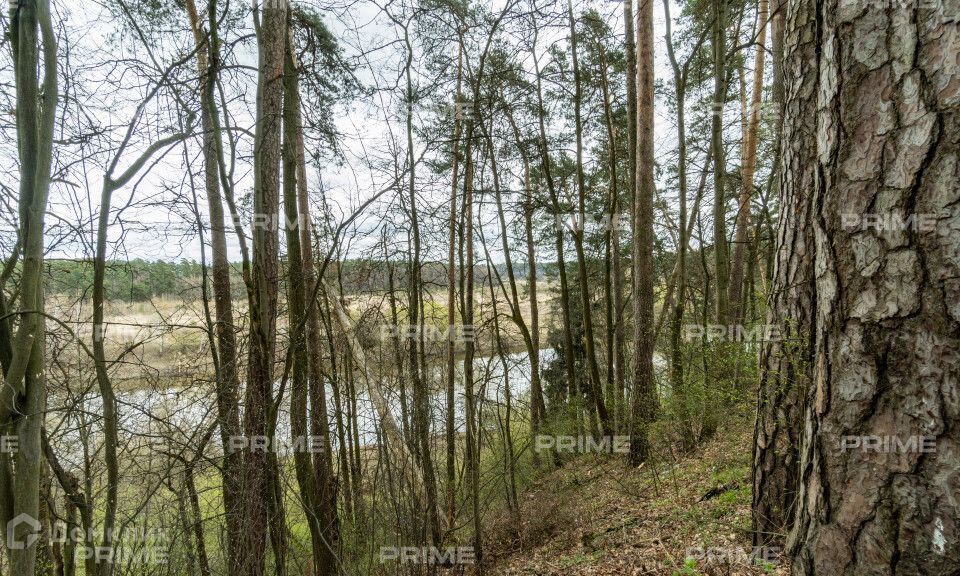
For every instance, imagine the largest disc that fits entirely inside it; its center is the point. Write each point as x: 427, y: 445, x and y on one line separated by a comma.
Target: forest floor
x: 686, y: 515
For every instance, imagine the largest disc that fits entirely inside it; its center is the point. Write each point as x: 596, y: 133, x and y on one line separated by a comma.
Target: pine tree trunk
x: 450, y: 423
x: 594, y: 386
x: 681, y: 401
x: 785, y: 365
x: 879, y: 453
x: 630, y: 42
x: 644, y: 391
x: 251, y: 550
x: 545, y: 163
x: 721, y: 264
x: 747, y: 167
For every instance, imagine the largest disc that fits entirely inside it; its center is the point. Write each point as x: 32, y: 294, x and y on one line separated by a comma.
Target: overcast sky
x: 151, y: 217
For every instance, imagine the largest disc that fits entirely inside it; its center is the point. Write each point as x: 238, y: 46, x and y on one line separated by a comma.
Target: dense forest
x: 522, y: 287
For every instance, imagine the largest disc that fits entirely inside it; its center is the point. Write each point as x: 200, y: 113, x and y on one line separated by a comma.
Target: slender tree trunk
x: 225, y: 353
x: 277, y: 523
x: 615, y: 344
x: 251, y: 549
x: 568, y: 350
x: 514, y: 300
x: 197, y: 524
x: 70, y: 545
x: 108, y: 398
x: 311, y: 460
x: 721, y: 264
x: 343, y: 460
x: 538, y: 408
x: 400, y: 365
x: 668, y: 306
x: 631, y: 60
x: 111, y: 183
x: 472, y: 451
x: 325, y: 501
x: 681, y: 401
x: 509, y: 463
x: 451, y: 438
x: 747, y: 168
x: 644, y: 391
x: 24, y: 396
x: 596, y: 390
x: 421, y: 398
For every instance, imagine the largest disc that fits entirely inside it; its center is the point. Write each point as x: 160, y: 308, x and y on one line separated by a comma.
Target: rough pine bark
x: 881, y: 175
x: 785, y: 363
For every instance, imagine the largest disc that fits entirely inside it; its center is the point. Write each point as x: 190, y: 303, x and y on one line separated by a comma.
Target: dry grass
x: 597, y: 516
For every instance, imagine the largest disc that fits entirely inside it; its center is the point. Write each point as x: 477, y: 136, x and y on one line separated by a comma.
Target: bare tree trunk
x: 595, y: 387
x: 76, y: 503
x: 879, y: 453
x: 472, y: 451
x: 509, y: 462
x: 721, y: 263
x: 681, y: 401
x: 644, y: 391
x: 343, y: 460
x: 452, y: 303
x: 225, y: 353
x: 108, y: 398
x: 277, y: 523
x: 421, y: 398
x: 747, y: 168
x: 400, y: 366
x: 197, y: 515
x: 111, y: 183
x: 325, y: 502
x: 251, y: 549
x: 296, y: 228
x: 513, y: 301
x: 631, y: 59
x: 24, y: 397
x: 538, y: 408
x: 545, y: 164
x: 615, y: 368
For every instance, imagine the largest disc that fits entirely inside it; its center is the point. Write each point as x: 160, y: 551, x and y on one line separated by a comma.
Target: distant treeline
x: 127, y: 280
x: 140, y: 280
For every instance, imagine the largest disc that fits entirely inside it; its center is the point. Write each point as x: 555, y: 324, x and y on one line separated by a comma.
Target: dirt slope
x: 677, y: 516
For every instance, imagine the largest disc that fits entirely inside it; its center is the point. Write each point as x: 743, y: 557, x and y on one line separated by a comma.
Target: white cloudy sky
x: 147, y: 221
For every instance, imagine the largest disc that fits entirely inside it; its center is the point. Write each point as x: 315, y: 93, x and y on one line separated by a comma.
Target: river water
x: 158, y: 420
